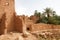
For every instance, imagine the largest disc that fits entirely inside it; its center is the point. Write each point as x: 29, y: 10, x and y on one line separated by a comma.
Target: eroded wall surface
x: 18, y: 24
x: 2, y: 24
x: 8, y: 9
x: 42, y: 27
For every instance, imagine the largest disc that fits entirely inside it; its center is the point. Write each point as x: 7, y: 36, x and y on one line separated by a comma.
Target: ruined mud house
x: 10, y: 22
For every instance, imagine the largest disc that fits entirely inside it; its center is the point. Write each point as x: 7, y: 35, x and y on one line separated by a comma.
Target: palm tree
x: 39, y: 15
x: 49, y: 12
x: 54, y: 13
x: 36, y: 12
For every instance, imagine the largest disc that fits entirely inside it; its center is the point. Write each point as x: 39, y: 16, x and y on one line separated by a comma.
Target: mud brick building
x: 10, y: 22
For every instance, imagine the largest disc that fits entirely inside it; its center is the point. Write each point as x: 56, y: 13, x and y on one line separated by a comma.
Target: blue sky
x: 27, y: 7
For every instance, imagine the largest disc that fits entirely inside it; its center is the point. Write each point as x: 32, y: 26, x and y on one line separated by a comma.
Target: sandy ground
x: 17, y: 36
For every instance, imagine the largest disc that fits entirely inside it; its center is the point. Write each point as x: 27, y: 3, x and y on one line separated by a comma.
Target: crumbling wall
x: 18, y: 24
x: 42, y: 26
x: 9, y: 10
x: 10, y: 23
x: 34, y: 18
x: 2, y: 24
x: 8, y: 7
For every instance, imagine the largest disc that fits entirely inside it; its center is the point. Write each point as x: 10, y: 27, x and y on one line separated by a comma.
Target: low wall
x: 41, y: 26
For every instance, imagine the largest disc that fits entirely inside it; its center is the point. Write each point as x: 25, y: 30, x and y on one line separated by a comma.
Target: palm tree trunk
x: 48, y: 17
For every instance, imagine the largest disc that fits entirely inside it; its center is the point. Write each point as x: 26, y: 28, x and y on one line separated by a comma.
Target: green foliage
x: 49, y: 12
x: 37, y: 14
x: 48, y: 16
x: 42, y: 20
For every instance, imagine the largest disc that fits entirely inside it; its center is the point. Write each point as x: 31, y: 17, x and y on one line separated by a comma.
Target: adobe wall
x: 12, y: 22
x: 2, y: 24
x: 41, y: 27
x: 34, y: 18
x: 8, y: 8
x: 18, y: 24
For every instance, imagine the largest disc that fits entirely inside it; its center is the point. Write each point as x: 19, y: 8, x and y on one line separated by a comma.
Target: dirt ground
x: 45, y: 35
x: 17, y: 36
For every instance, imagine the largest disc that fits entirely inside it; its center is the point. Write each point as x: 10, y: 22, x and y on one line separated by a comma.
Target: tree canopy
x: 48, y: 16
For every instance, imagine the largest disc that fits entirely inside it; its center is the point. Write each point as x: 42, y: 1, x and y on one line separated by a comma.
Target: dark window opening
x: 28, y: 29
